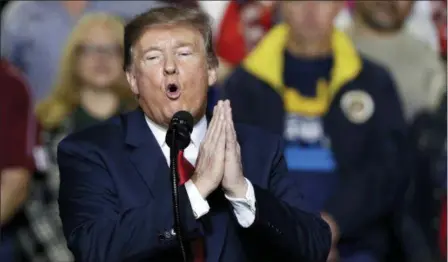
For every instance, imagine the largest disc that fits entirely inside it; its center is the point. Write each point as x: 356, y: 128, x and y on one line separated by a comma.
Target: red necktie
x: 185, y: 170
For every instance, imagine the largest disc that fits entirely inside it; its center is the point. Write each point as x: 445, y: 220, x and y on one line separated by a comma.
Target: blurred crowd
x: 62, y: 71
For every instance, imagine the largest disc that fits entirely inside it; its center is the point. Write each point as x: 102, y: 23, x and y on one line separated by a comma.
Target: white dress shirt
x: 243, y: 208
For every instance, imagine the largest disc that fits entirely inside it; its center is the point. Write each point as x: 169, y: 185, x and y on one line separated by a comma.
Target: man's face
x: 170, y: 72
x: 310, y: 20
x: 385, y: 16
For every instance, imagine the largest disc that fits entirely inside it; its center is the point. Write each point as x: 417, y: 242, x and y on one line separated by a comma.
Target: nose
x: 170, y: 67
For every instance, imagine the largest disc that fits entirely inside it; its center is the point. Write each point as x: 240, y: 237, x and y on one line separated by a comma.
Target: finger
x: 221, y: 135
x: 232, y: 126
x: 229, y: 136
x: 212, y: 125
x: 220, y: 121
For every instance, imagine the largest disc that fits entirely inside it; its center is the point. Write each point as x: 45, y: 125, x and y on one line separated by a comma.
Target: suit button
x: 167, y: 235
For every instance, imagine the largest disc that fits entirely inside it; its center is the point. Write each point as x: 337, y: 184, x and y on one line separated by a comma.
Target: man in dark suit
x: 238, y: 205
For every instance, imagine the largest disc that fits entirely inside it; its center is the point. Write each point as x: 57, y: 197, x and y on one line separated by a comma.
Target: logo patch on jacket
x: 358, y: 106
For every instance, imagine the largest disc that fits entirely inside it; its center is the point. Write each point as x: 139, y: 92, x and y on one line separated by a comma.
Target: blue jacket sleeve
x: 281, y: 223
x: 95, y: 227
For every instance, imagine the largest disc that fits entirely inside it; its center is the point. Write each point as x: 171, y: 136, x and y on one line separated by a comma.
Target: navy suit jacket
x: 115, y: 201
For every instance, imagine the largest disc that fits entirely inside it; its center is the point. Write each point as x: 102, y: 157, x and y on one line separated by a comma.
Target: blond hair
x: 170, y: 15
x: 65, y: 96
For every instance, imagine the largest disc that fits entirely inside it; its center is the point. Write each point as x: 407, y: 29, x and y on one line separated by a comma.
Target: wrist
x: 201, y: 186
x: 237, y: 189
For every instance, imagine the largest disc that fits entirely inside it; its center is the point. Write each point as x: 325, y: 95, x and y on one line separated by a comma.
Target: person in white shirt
x: 239, y: 203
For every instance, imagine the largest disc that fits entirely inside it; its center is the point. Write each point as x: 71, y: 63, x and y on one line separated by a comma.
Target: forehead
x: 165, y: 36
x: 99, y: 33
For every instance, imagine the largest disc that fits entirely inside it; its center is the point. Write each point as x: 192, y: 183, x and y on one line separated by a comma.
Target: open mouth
x: 172, y: 91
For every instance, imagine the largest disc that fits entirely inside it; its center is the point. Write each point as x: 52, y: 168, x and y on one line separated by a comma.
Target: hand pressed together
x: 219, y: 160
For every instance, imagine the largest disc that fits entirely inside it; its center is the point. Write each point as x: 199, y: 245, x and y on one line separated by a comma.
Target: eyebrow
x: 177, y: 45
x: 183, y: 44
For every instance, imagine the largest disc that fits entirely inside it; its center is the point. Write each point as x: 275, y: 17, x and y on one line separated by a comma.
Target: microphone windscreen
x: 180, y: 130
x: 184, y: 118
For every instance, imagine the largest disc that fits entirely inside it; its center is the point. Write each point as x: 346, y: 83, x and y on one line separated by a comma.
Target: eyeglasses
x: 99, y: 49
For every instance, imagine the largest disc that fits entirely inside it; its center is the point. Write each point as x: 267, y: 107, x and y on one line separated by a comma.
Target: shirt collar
x: 197, y: 135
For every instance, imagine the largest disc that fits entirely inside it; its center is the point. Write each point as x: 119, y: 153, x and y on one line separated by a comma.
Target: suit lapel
x: 145, y: 153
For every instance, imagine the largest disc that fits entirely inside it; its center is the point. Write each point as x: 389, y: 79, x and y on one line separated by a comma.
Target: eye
x: 149, y: 58
x: 184, y: 51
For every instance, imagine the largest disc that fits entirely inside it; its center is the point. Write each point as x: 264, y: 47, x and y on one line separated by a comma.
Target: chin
x: 101, y: 85
x: 196, y: 112
x: 169, y: 112
x: 175, y: 107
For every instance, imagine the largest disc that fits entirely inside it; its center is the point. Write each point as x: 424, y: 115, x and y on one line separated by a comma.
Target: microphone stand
x: 174, y: 151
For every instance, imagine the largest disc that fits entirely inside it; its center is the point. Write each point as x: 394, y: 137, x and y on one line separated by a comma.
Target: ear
x: 212, y: 76
x: 132, y: 80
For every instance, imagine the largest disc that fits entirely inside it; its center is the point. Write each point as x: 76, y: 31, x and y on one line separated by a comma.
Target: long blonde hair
x: 66, y: 91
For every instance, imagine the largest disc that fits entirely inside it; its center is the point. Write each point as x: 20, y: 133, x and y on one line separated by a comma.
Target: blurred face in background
x: 170, y: 72
x: 385, y: 16
x: 310, y: 20
x: 99, y: 58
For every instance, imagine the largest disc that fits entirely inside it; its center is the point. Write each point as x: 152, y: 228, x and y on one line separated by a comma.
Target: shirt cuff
x: 244, y: 208
x: 199, y: 205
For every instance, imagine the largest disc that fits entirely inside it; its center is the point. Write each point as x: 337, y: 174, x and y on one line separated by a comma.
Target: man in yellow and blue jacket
x: 341, y: 121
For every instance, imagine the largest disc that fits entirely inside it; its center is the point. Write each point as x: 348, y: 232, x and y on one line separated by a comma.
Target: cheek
x: 194, y: 78
x: 149, y: 85
x: 116, y: 69
x: 289, y: 17
x: 197, y: 80
x: 194, y: 71
x: 150, y: 76
x: 325, y: 15
x: 83, y: 71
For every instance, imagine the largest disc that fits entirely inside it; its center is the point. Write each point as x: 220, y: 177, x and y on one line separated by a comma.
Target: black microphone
x: 181, y: 126
x: 178, y: 138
